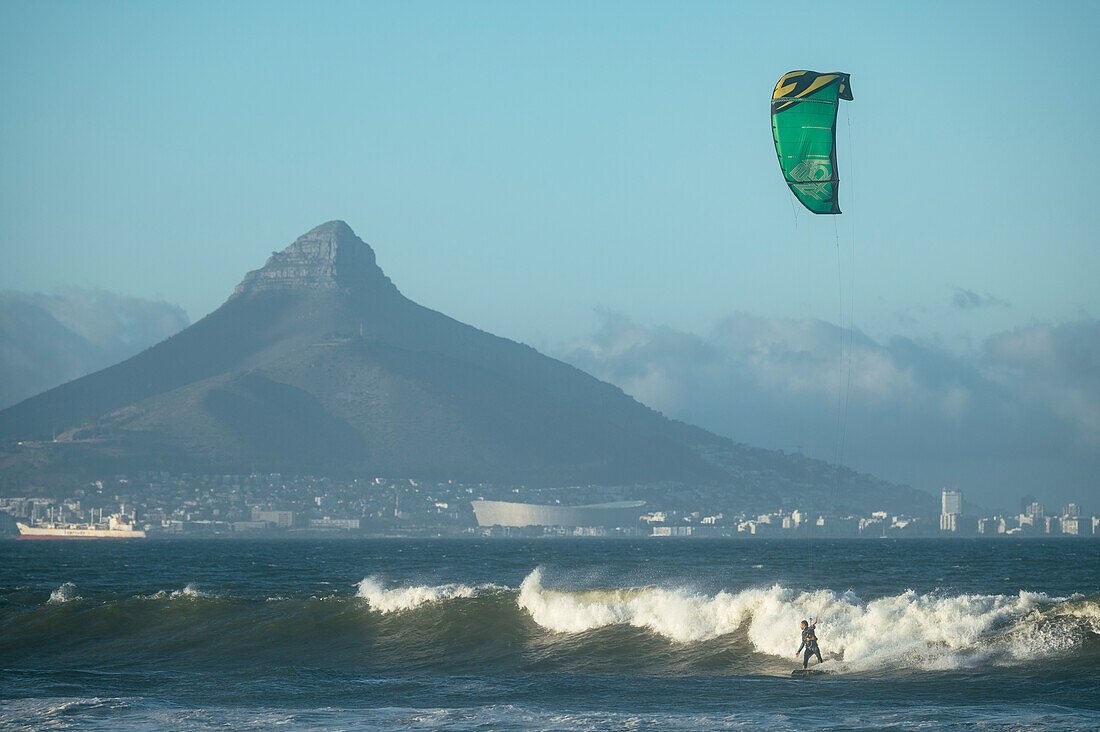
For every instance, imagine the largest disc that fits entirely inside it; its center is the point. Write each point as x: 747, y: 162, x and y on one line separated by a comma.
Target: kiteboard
x: 802, y: 673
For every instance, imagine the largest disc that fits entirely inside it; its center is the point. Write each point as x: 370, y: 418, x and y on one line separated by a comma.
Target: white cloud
x: 1058, y: 366
x: 1030, y: 408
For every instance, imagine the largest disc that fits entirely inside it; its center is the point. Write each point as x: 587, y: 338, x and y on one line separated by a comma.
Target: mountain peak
x: 336, y: 227
x: 327, y: 258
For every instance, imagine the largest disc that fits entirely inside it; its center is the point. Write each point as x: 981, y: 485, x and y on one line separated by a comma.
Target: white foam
x: 189, y: 590
x: 908, y: 630
x: 1058, y: 629
x: 675, y: 614
x: 64, y: 593
x: 405, y: 598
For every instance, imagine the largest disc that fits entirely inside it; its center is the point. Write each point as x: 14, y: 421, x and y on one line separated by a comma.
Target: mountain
x: 317, y: 364
x: 46, y: 340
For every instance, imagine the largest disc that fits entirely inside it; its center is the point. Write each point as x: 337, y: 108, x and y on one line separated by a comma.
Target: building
x: 249, y: 526
x: 504, y: 513
x: 992, y: 525
x: 281, y: 519
x: 950, y: 522
x: 1052, y: 525
x: 346, y: 524
x: 951, y: 509
x: 672, y: 531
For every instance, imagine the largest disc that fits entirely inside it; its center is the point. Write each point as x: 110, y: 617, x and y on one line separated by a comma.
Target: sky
x: 572, y: 174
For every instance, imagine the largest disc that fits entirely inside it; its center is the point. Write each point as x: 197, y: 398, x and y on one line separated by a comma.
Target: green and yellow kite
x: 804, y: 106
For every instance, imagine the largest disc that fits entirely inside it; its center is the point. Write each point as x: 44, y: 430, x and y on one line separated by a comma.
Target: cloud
x: 46, y: 340
x: 110, y: 321
x: 1053, y: 365
x: 964, y: 299
x: 902, y: 409
x: 809, y: 363
x: 663, y: 364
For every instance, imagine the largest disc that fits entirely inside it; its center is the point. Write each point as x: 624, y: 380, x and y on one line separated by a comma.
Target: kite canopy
x: 804, y: 106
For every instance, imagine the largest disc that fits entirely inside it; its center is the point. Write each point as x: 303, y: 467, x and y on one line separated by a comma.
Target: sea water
x: 551, y: 634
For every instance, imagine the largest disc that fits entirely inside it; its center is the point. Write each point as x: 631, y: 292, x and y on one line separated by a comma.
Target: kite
x: 804, y: 106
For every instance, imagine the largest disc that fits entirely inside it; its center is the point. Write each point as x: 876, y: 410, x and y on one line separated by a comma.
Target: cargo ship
x: 118, y: 526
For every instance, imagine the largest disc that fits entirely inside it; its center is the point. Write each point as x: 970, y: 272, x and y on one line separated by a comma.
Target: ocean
x: 548, y: 634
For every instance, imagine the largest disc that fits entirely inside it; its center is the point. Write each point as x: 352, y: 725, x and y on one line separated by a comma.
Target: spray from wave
x: 189, y: 590
x: 64, y: 593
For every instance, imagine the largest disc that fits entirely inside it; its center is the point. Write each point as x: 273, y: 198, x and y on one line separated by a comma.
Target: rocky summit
x: 326, y: 259
x: 318, y: 365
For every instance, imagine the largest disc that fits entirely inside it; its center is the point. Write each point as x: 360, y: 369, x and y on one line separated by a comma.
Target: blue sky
x: 542, y: 169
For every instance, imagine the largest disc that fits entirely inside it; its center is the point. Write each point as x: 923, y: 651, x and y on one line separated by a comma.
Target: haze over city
x: 600, y: 183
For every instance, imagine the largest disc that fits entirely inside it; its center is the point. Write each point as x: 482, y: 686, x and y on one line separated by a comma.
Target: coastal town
x: 163, y: 505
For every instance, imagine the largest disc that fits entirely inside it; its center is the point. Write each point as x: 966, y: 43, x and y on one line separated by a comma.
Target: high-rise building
x: 951, y: 508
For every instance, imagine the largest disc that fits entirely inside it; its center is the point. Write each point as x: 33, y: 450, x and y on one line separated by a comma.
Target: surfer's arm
x: 800, y: 647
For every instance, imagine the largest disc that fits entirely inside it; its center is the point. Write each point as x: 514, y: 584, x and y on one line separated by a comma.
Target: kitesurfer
x: 809, y: 642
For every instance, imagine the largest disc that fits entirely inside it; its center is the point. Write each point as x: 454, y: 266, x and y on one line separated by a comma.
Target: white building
x: 1072, y: 526
x: 503, y: 513
x: 347, y: 524
x: 672, y: 531
x: 951, y: 508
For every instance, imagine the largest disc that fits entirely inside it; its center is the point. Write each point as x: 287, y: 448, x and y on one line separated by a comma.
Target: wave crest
x: 397, y: 599
x: 189, y: 590
x: 64, y: 593
x: 675, y: 614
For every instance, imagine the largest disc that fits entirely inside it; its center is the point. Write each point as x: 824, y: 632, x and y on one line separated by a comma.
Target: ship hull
x: 50, y: 537
x: 38, y: 533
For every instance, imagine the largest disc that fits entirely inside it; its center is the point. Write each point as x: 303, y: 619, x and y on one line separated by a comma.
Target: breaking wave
x: 646, y: 630
x: 397, y: 599
x: 907, y: 630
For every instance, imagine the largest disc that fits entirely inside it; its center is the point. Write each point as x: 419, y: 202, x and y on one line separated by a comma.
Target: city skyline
x: 164, y: 505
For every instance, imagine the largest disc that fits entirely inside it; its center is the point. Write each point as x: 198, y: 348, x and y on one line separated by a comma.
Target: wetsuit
x: 809, y: 642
